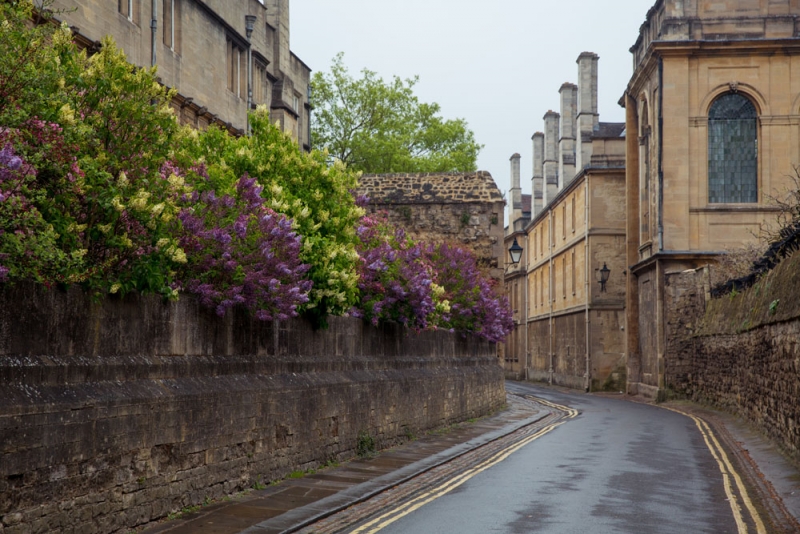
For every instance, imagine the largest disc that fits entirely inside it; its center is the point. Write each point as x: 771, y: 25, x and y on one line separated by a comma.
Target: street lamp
x: 516, y: 252
x: 604, y: 274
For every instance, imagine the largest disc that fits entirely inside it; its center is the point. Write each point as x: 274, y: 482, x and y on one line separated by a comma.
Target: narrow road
x: 593, y: 464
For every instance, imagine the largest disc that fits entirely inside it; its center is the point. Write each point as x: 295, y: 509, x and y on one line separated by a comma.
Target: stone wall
x: 461, y: 208
x: 114, y: 413
x: 740, y: 352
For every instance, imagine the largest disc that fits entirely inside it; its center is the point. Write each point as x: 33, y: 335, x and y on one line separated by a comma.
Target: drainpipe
x: 550, y: 292
x: 249, y: 23
x: 660, y: 330
x: 660, y: 154
x: 527, y: 308
x: 587, y: 385
x: 153, y: 32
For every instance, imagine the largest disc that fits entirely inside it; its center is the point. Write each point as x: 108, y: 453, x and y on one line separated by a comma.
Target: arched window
x: 732, y: 150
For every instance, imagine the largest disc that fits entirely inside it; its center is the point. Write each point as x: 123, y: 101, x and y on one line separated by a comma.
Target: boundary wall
x: 116, y: 412
x: 739, y: 352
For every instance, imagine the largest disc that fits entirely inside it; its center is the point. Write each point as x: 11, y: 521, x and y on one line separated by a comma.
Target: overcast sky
x: 498, y: 64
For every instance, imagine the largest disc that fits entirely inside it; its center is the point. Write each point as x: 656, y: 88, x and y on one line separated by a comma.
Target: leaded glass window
x: 732, y: 150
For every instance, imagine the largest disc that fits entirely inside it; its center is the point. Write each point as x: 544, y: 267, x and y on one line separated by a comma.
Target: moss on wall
x: 775, y: 298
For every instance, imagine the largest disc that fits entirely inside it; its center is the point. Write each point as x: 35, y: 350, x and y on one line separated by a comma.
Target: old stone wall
x: 460, y: 208
x: 114, y: 413
x: 740, y: 352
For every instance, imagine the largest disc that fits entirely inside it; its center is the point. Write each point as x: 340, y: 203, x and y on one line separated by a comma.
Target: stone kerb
x: 114, y: 413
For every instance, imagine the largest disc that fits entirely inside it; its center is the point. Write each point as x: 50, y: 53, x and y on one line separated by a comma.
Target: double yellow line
x: 390, y: 517
x: 728, y: 472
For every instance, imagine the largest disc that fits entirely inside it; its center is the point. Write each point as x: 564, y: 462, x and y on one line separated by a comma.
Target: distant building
x: 567, y: 325
x: 201, y: 50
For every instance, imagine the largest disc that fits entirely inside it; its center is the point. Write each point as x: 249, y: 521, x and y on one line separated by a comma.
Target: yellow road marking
x: 726, y: 468
x: 390, y: 517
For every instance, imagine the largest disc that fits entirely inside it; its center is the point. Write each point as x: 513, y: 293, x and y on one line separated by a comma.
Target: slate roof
x: 606, y: 130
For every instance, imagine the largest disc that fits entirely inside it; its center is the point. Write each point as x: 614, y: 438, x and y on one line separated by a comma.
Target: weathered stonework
x: 739, y: 352
x: 461, y: 208
x: 115, y: 413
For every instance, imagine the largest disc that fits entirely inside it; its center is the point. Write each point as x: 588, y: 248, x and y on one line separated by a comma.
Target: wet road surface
x: 617, y: 467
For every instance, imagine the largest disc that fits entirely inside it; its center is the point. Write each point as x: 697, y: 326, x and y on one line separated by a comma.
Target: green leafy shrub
x: 315, y: 196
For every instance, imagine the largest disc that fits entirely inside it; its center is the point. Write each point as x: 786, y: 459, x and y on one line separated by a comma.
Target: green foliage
x: 365, y: 446
x: 89, y: 205
x: 773, y: 306
x: 376, y: 126
x: 32, y: 49
x: 316, y: 196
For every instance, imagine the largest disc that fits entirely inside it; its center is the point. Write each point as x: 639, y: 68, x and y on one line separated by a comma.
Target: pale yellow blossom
x: 179, y: 256
x: 175, y: 180
x: 66, y: 114
x: 139, y: 201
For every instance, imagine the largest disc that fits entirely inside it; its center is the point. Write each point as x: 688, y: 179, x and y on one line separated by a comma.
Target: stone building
x: 205, y: 49
x: 461, y: 208
x: 568, y: 326
x: 515, y: 348
x: 713, y: 122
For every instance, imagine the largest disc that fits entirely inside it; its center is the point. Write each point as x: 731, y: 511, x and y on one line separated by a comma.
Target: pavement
x: 293, y: 504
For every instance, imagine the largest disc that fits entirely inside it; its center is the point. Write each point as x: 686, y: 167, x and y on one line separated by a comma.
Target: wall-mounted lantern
x: 515, y: 251
x: 603, y: 274
x: 249, y: 24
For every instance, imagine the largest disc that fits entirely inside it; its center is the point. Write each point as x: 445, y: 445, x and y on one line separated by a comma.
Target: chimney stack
x: 566, y: 145
x: 551, y: 119
x: 515, y: 213
x: 538, y: 173
x: 588, y: 118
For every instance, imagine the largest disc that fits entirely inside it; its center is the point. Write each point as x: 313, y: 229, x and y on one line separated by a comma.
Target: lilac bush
x: 475, y: 307
x: 395, y: 282
x: 10, y: 165
x: 240, y: 252
x: 28, y: 242
x: 425, y: 286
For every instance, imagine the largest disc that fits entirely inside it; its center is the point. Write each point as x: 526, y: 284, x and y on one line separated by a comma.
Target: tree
x: 376, y: 126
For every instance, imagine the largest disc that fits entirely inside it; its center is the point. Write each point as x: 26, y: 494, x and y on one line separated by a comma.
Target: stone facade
x: 567, y: 331
x: 201, y: 50
x: 690, y: 57
x: 461, y: 208
x: 115, y: 413
x: 574, y: 328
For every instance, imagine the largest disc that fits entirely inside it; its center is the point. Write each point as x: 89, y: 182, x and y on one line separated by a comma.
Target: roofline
x: 573, y: 184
